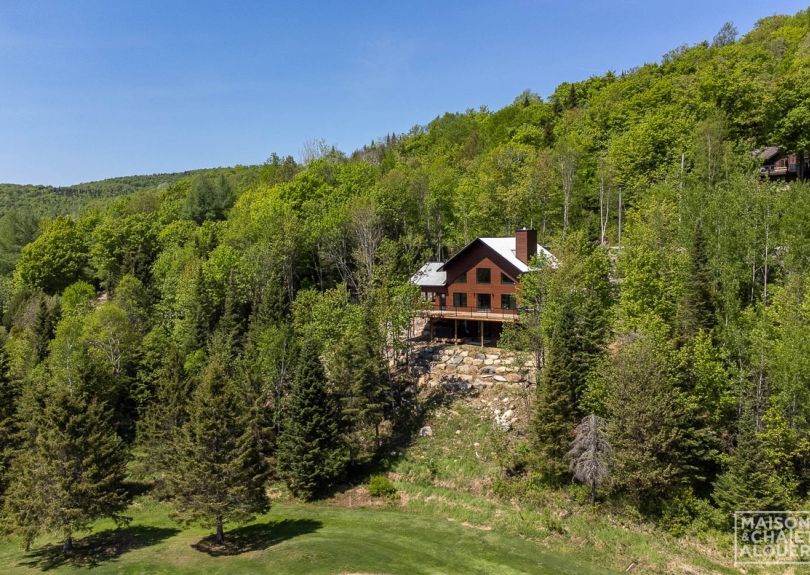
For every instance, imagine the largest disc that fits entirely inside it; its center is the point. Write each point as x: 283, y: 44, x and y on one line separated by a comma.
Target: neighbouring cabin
x: 779, y: 165
x: 472, y: 294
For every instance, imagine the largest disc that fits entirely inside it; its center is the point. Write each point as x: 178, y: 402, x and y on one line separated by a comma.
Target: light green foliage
x: 653, y: 267
x: 55, y: 259
x: 77, y: 299
x: 123, y: 245
x: 381, y: 486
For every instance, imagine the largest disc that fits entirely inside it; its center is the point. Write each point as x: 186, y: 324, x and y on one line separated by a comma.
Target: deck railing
x: 472, y: 312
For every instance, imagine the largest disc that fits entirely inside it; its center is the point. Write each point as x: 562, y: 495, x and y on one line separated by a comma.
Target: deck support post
x: 455, y: 329
x: 481, y: 329
x: 430, y: 327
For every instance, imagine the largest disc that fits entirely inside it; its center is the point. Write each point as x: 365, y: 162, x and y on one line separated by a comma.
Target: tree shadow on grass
x: 257, y: 537
x: 93, y: 550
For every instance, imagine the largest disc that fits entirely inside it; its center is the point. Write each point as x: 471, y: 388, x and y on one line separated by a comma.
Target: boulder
x: 500, y: 378
x: 455, y: 360
x: 513, y: 377
x: 426, y: 431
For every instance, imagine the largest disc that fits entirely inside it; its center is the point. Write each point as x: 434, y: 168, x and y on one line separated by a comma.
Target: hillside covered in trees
x: 211, y: 332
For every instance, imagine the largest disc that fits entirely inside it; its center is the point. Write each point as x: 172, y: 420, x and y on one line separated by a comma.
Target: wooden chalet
x: 779, y: 165
x: 472, y: 294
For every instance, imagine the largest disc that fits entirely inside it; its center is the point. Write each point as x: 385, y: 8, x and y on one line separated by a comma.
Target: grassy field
x: 295, y: 539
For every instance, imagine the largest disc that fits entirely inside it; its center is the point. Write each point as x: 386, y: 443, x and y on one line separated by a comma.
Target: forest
x: 207, y: 334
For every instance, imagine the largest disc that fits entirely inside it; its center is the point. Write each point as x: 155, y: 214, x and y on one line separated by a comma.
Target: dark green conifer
x: 557, y: 408
x: 165, y: 415
x: 311, y: 454
x: 219, y: 473
x: 70, y: 470
x: 751, y: 481
x: 9, y: 395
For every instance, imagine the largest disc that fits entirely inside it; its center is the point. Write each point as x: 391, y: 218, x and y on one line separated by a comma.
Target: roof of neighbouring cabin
x: 767, y: 153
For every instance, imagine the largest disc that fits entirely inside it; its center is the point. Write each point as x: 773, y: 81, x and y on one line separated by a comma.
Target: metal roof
x: 505, y: 247
x: 433, y: 274
x: 767, y: 153
x: 430, y: 274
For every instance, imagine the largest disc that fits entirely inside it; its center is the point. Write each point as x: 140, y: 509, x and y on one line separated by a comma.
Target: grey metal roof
x: 767, y: 152
x: 430, y: 274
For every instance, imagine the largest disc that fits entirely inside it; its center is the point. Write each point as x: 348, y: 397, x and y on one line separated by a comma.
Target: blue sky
x: 95, y: 89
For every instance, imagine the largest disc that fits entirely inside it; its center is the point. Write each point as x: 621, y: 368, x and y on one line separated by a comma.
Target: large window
x: 462, y: 279
x: 459, y: 300
x: 483, y: 301
x: 483, y: 275
x: 508, y: 301
x: 505, y: 279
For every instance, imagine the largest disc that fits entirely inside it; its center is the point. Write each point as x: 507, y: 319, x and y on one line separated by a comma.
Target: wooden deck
x: 469, y: 314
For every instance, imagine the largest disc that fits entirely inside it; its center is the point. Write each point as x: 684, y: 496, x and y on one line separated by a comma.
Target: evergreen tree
x: 357, y: 371
x: 751, y: 480
x: 657, y: 444
x: 9, y: 395
x: 311, y: 451
x: 557, y: 405
x: 44, y: 325
x: 70, y: 470
x: 219, y: 473
x: 578, y: 313
x: 160, y: 426
x: 697, y: 309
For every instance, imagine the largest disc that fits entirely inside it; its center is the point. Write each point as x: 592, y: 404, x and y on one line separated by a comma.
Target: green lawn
x: 297, y: 538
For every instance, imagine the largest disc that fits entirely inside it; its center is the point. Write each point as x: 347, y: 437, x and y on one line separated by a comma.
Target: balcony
x: 471, y: 313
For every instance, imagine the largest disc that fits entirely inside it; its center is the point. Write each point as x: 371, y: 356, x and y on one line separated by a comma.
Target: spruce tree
x: 219, y: 473
x: 657, y: 443
x: 311, y: 454
x: 751, y: 480
x: 578, y: 304
x: 9, y: 395
x: 70, y: 470
x: 358, y: 373
x: 165, y: 415
x: 557, y: 406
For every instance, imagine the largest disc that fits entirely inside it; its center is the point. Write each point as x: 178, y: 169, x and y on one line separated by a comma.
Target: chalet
x: 779, y: 165
x: 472, y: 294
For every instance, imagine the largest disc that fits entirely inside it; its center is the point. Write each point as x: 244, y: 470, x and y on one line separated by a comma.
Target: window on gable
x: 505, y: 279
x: 483, y: 275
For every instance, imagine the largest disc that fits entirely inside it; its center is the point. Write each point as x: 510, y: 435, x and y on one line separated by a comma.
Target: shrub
x: 381, y: 486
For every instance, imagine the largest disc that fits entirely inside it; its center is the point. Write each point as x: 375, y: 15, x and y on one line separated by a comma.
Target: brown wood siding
x: 479, y: 256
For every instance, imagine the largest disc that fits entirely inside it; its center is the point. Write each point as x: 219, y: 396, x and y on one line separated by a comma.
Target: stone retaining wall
x: 469, y: 366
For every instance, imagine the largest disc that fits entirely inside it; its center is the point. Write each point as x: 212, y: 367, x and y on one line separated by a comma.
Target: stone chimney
x: 525, y: 244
